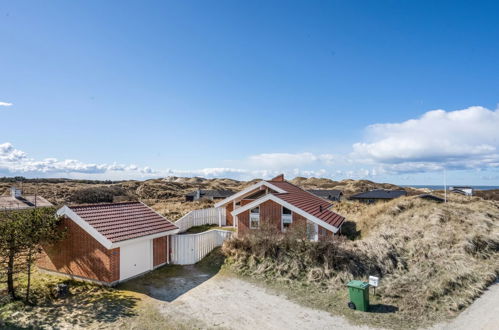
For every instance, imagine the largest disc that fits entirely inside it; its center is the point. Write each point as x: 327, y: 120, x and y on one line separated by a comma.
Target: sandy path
x: 228, y: 302
x: 195, y: 297
x: 483, y: 314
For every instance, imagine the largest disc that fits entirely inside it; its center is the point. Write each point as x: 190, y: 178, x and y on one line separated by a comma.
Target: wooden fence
x: 188, y: 249
x: 212, y: 216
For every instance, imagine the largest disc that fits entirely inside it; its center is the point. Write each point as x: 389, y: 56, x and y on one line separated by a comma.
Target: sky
x: 390, y: 91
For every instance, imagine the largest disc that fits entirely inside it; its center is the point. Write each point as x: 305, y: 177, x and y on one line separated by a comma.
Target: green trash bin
x: 359, y: 295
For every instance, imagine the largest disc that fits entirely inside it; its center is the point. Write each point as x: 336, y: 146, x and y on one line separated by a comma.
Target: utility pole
x: 445, y: 185
x: 36, y: 191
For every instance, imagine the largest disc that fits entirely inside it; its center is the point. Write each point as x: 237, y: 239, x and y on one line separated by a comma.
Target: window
x: 255, y: 218
x: 286, y: 218
x: 312, y: 231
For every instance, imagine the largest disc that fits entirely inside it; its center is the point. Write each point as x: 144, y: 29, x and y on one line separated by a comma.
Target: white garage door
x: 135, y: 259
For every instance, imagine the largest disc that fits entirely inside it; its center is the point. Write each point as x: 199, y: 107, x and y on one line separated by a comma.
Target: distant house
x: 463, y: 190
x: 283, y: 205
x: 432, y: 198
x: 208, y: 194
x: 109, y: 243
x: 16, y: 200
x: 378, y: 195
x: 332, y: 195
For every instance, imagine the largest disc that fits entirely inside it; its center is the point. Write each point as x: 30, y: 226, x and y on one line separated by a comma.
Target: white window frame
x: 255, y: 219
x: 282, y: 218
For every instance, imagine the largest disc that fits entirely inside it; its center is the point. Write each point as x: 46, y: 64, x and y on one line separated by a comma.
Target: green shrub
x: 103, y: 194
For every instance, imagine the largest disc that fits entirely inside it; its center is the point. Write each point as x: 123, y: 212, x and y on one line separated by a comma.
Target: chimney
x: 320, y: 208
x: 198, y: 194
x: 280, y: 177
x: 15, y: 193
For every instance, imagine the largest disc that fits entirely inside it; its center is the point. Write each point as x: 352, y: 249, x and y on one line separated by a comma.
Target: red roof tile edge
x: 168, y: 226
x: 326, y: 215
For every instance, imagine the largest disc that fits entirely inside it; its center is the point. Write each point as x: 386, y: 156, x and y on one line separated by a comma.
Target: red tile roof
x: 123, y: 221
x: 308, y: 202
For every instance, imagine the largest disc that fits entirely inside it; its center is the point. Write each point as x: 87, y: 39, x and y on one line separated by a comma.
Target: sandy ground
x: 231, y: 303
x: 482, y: 315
x: 228, y: 302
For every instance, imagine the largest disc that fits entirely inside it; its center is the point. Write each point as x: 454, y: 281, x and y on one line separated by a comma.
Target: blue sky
x: 243, y: 89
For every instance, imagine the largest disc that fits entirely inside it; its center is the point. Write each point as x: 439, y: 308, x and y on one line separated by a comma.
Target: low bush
x: 103, y: 194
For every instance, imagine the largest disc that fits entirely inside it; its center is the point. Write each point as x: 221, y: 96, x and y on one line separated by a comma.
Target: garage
x: 135, y: 259
x: 110, y: 242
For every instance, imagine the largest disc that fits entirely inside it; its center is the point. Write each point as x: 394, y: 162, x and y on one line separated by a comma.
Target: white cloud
x: 214, y: 172
x: 461, y: 139
x: 246, y: 174
x: 16, y: 161
x: 5, y: 104
x: 289, y: 160
x: 9, y: 154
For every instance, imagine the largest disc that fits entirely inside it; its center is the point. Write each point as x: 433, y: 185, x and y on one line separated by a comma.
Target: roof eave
x: 66, y: 211
x: 143, y: 238
x: 248, y: 190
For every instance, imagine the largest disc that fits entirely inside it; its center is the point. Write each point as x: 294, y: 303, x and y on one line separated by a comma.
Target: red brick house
x: 109, y: 243
x: 284, y: 205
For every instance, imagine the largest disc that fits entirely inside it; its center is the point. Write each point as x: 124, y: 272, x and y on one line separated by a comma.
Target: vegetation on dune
x: 102, y: 194
x: 203, y: 228
x: 347, y: 186
x: 433, y: 259
x: 488, y: 194
x: 200, y: 229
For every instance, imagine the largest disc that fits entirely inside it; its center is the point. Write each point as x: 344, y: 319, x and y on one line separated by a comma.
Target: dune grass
x: 433, y: 259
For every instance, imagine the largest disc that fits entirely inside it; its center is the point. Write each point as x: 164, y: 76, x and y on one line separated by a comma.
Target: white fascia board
x: 251, y: 205
x: 288, y: 206
x: 66, y: 211
x: 143, y: 238
x: 249, y: 189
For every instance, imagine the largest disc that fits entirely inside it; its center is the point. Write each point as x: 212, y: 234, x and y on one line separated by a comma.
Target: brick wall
x: 270, y: 212
x: 243, y: 223
x: 299, y: 220
x: 159, y: 250
x: 81, y: 255
x: 325, y: 234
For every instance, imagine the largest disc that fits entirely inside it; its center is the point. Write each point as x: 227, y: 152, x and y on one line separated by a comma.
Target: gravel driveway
x: 232, y: 303
x: 193, y: 296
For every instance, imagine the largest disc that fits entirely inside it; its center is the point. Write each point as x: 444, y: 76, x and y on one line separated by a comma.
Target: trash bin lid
x: 358, y: 284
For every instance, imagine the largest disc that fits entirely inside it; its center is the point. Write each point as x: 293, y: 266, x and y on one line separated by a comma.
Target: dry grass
x: 176, y: 208
x: 88, y: 306
x: 433, y: 259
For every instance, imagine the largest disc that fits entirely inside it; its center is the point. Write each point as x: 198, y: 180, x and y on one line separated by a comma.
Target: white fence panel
x: 190, y: 248
x: 212, y: 216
